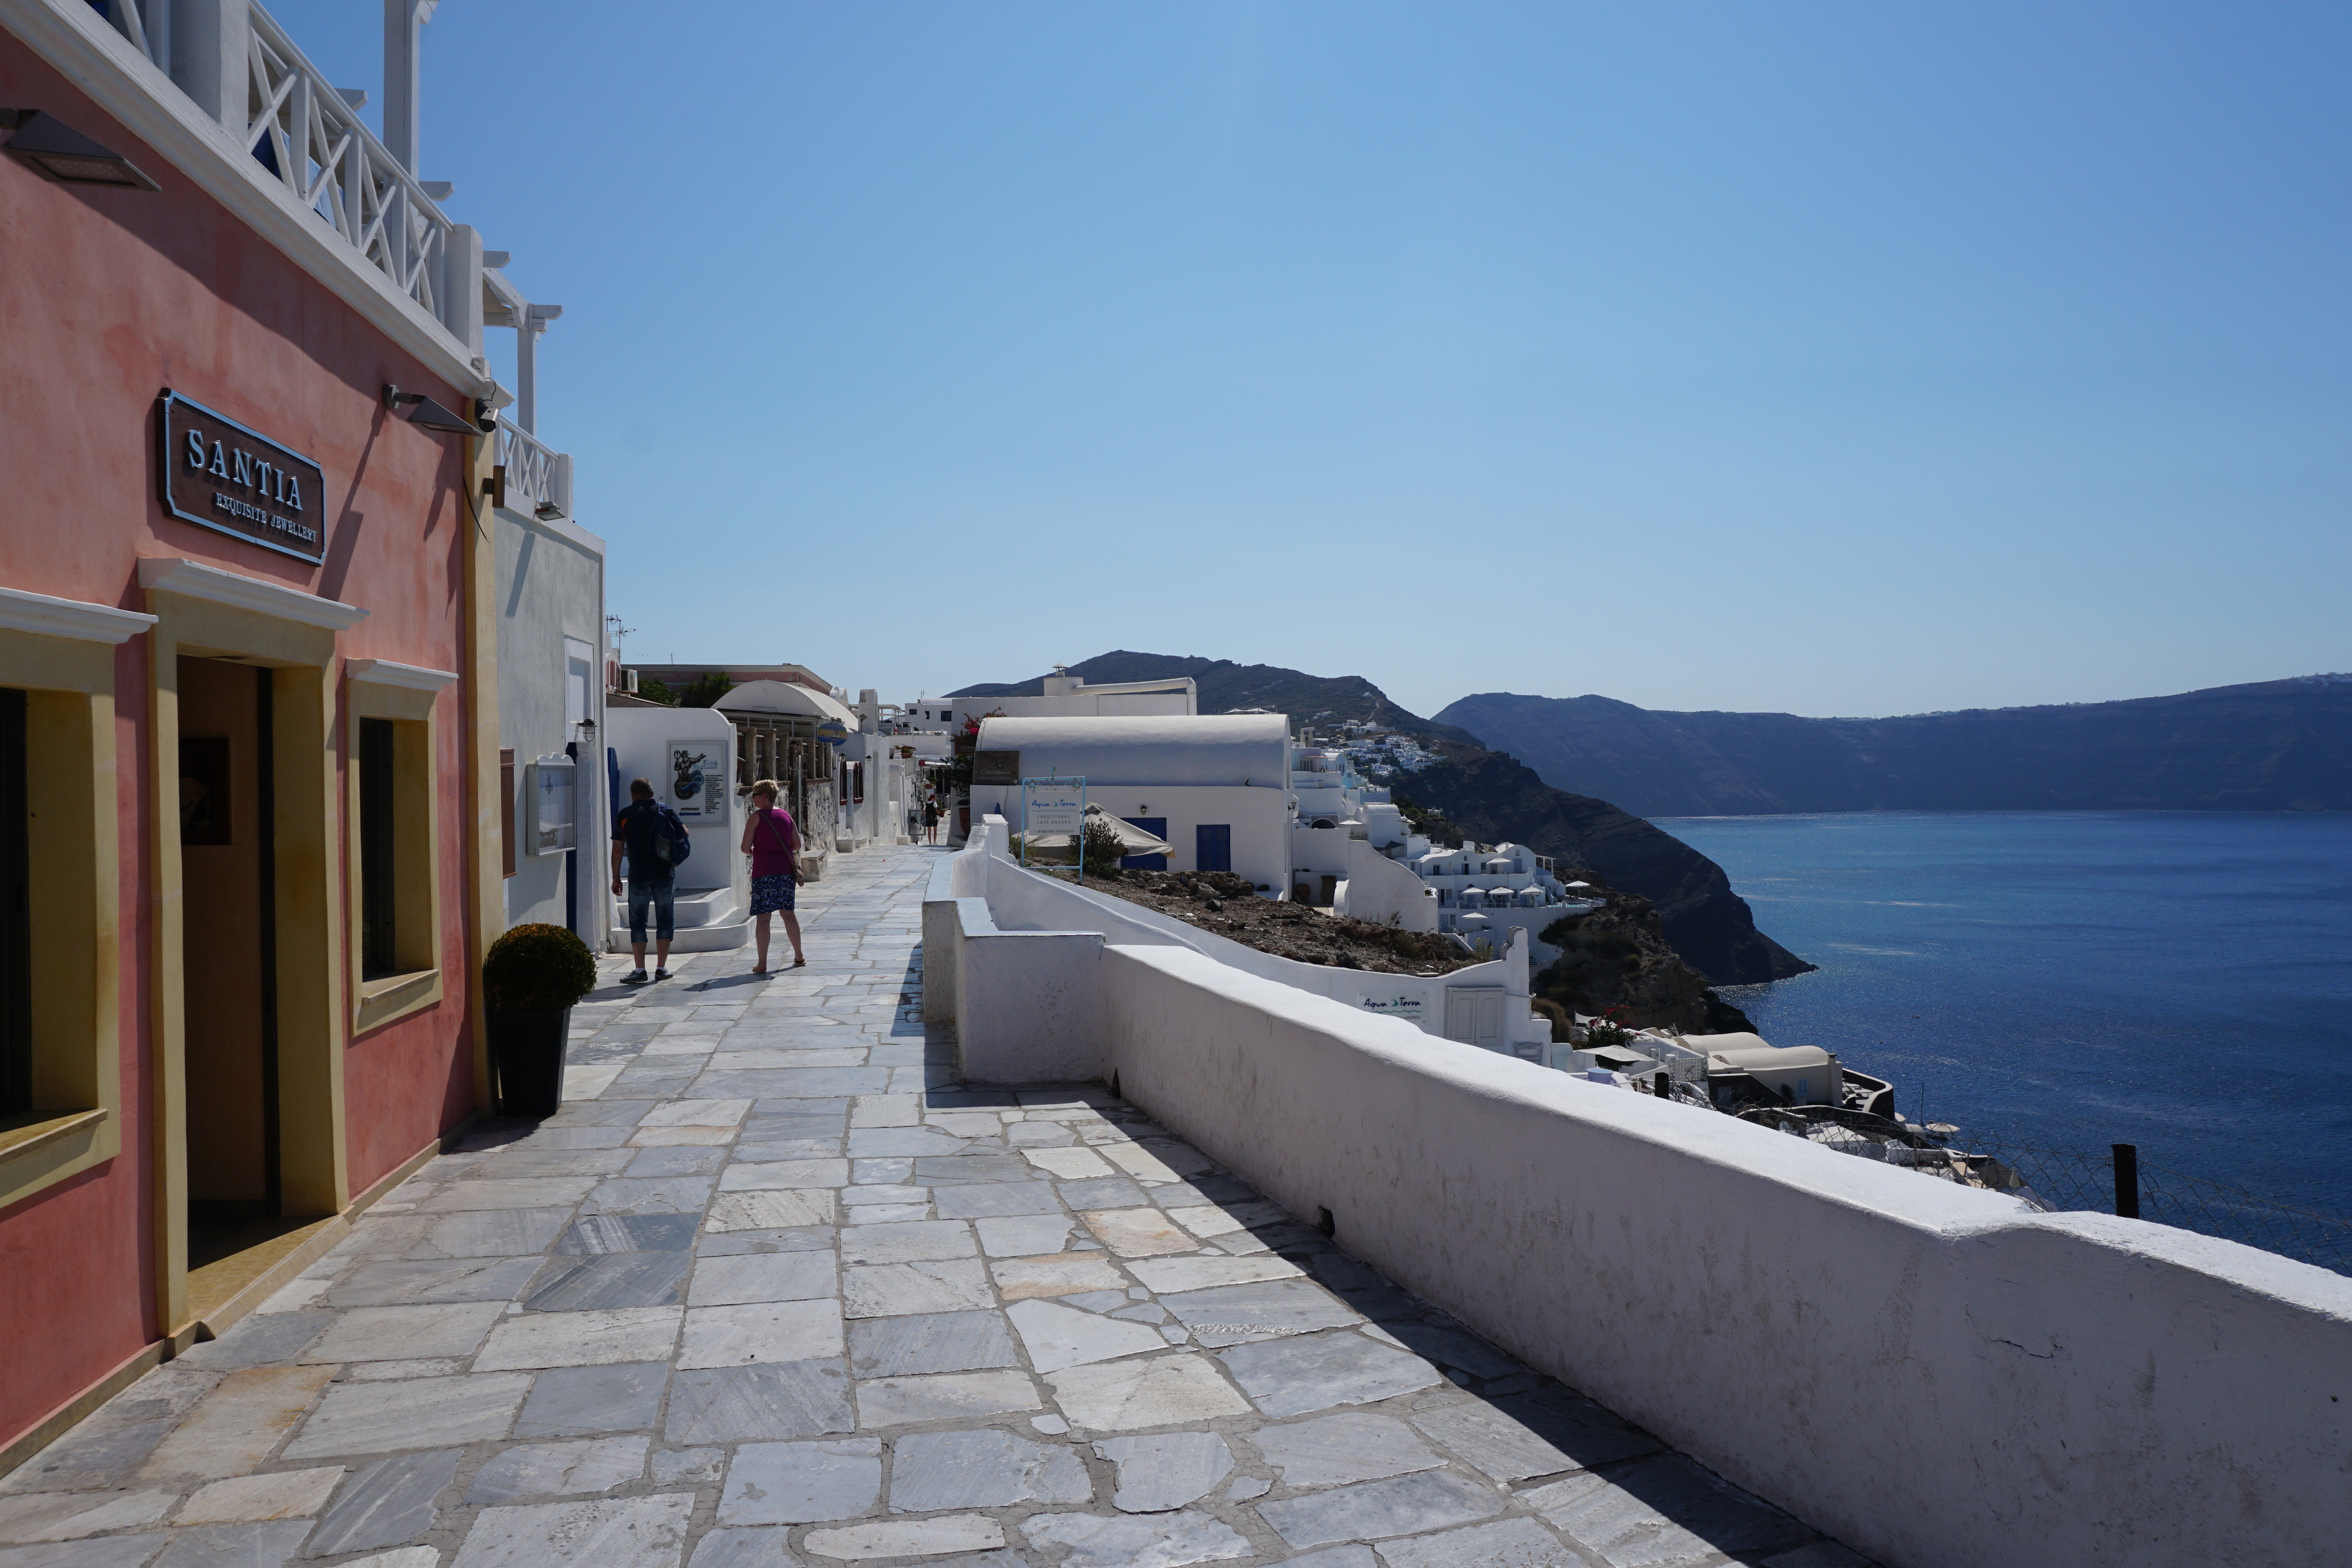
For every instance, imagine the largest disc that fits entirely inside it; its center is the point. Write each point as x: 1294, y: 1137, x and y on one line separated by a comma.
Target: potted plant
x: 531, y: 977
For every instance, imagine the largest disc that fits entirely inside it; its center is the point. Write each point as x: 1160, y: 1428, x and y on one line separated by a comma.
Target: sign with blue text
x: 1051, y: 808
x: 1405, y: 1004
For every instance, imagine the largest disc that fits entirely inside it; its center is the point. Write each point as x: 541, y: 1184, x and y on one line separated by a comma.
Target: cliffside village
x: 311, y: 689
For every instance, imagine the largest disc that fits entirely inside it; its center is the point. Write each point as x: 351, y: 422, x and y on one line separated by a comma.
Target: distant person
x: 773, y: 842
x: 655, y: 841
x: 931, y: 814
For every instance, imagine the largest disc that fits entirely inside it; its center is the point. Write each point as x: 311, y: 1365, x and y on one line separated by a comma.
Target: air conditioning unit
x: 631, y: 677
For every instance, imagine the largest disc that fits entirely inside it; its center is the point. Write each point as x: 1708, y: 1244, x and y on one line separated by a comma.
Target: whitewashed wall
x: 551, y: 586
x: 1938, y: 1376
x: 1378, y: 889
x: 1024, y: 901
x: 639, y: 737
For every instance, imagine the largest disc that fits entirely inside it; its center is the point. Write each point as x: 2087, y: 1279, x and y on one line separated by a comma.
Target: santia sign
x: 221, y: 475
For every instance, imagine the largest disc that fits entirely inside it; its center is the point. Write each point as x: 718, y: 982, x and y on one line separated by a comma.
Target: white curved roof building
x: 1217, y: 750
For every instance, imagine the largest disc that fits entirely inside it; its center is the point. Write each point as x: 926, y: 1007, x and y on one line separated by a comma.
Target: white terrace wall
x: 1384, y: 891
x: 1938, y: 1375
x: 1015, y: 900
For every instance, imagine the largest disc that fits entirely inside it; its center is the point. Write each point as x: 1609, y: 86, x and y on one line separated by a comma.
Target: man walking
x: 654, y: 841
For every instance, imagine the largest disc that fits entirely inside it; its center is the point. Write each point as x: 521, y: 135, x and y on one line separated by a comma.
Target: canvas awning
x: 786, y: 697
x: 1133, y: 840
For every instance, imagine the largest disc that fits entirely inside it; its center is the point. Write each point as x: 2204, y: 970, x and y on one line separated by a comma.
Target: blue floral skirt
x: 771, y: 894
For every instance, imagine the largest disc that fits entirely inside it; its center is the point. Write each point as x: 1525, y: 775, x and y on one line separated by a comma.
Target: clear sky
x: 1828, y: 358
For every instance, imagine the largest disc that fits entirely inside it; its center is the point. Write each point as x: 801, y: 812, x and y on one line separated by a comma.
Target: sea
x: 2177, y: 980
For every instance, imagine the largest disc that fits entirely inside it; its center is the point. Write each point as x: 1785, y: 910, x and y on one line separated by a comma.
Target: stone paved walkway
x: 775, y: 1290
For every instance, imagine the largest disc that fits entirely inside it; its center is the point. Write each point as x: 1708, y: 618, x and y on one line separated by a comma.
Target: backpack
x: 671, y: 846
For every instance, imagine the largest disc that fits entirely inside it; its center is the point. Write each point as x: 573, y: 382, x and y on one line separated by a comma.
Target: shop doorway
x: 16, y: 910
x: 229, y: 946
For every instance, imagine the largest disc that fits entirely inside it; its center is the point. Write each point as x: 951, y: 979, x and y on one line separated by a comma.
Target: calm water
x: 2177, y: 980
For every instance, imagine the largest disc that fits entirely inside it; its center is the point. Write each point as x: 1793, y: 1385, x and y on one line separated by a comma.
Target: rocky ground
x: 1226, y: 905
x: 1617, y: 956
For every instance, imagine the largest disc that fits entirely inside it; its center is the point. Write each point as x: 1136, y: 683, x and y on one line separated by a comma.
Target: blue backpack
x: 671, y: 846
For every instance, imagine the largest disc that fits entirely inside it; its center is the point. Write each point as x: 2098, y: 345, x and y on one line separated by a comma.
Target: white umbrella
x: 1133, y: 840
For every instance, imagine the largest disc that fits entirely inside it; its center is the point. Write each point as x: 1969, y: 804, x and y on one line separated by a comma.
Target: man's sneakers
x: 661, y: 974
x: 636, y: 977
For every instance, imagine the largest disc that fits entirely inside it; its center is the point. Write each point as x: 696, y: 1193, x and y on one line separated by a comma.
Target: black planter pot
x: 526, y: 1061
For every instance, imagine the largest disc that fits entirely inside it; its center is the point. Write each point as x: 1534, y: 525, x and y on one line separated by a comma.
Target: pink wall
x: 107, y: 298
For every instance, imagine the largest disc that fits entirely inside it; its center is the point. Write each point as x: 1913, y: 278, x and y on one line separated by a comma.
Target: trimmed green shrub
x: 538, y: 969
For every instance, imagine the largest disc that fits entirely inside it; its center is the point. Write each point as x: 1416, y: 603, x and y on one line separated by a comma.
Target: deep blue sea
x: 2181, y: 980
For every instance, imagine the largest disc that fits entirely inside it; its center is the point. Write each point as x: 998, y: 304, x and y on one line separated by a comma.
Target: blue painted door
x: 1157, y: 828
x: 1213, y: 846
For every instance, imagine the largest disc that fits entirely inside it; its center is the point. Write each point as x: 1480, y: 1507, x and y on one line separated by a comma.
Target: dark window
x: 16, y: 912
x: 378, y: 905
x: 507, y: 809
x: 1157, y: 828
x: 1213, y: 846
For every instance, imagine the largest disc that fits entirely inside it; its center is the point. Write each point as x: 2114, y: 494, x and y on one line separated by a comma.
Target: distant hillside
x: 1493, y: 799
x: 2273, y: 745
x: 1228, y: 687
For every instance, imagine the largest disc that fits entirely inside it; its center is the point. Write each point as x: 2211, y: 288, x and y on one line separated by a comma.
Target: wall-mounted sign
x: 219, y: 474
x: 1405, y: 1004
x: 553, y: 821
x: 696, y: 784
x: 1057, y: 805
x: 833, y: 732
x: 996, y: 768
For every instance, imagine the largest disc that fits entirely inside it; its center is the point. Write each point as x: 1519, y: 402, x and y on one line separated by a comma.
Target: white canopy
x: 1133, y: 840
x: 788, y: 697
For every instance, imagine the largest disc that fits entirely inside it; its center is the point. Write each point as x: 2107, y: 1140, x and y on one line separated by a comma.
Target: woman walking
x: 772, y: 842
x: 931, y: 820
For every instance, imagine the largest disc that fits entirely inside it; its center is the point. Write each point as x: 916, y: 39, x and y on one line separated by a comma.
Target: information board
x: 553, y: 822
x: 1055, y: 808
x: 1405, y: 1004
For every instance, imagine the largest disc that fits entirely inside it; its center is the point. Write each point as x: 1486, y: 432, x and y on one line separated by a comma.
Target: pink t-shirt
x: 773, y: 839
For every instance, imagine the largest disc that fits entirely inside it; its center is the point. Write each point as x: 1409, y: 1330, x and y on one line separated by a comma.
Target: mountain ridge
x: 2283, y: 745
x: 1492, y: 797
x: 1227, y: 687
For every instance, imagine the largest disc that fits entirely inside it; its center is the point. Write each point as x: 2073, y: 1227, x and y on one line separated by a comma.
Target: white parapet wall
x: 1938, y: 1375
x: 1016, y: 900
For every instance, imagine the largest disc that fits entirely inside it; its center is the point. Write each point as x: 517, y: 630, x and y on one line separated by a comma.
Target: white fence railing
x: 302, y: 128
x: 538, y: 478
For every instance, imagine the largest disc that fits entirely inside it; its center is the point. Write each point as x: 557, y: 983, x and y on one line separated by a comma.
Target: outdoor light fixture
x: 57, y: 152
x: 428, y: 415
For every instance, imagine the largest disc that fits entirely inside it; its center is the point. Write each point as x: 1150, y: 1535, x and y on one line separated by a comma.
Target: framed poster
x: 695, y: 783
x: 553, y: 795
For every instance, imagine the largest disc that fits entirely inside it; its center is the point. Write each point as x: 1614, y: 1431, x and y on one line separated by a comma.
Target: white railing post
x: 404, y: 20
x: 461, y: 285
x: 210, y: 50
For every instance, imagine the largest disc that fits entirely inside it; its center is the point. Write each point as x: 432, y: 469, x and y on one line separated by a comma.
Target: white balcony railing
x: 538, y: 478
x: 299, y: 126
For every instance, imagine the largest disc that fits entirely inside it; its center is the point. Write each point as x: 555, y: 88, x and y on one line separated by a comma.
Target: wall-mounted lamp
x: 426, y: 414
x: 57, y: 152
x: 587, y: 732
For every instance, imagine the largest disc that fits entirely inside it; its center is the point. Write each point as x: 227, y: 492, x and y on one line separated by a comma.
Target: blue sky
x: 1832, y: 357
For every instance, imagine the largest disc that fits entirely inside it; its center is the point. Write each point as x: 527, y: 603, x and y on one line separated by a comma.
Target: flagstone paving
x: 776, y: 1288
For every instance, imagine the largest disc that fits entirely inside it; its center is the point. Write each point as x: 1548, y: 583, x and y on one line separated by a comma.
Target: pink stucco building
x: 242, y: 750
